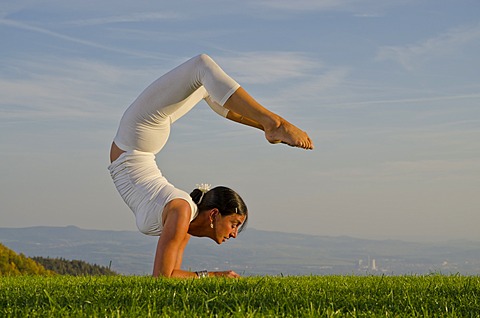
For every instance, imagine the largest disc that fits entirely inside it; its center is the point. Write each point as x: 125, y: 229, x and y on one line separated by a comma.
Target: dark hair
x: 224, y: 199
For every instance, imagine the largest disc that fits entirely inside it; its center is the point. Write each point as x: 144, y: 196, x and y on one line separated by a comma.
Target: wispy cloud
x: 416, y: 100
x: 313, y: 86
x: 134, y: 17
x: 445, y: 44
x: 36, y: 29
x: 359, y: 8
x: 269, y: 67
x: 287, y: 78
x: 67, y: 88
x: 304, y: 5
x: 297, y: 97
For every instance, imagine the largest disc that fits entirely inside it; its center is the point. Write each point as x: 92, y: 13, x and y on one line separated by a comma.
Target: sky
x: 389, y: 91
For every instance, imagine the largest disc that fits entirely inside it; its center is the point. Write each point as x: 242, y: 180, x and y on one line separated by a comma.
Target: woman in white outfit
x: 160, y: 208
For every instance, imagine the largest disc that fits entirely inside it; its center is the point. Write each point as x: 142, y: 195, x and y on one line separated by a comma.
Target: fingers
x: 228, y: 274
x: 232, y: 274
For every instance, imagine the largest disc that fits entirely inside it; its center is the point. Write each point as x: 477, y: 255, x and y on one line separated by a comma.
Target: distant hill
x: 254, y: 252
x: 129, y: 252
x: 13, y: 264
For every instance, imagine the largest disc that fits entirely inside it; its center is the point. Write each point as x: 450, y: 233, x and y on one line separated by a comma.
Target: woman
x: 159, y: 207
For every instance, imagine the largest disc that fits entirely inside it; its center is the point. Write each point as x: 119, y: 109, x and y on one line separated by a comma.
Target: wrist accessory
x: 202, y: 274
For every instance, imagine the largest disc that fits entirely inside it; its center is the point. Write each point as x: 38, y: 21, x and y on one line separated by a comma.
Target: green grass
x: 307, y: 296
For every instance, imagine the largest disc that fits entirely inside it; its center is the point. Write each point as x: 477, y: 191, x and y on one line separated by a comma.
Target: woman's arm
x: 178, y: 262
x: 172, y: 243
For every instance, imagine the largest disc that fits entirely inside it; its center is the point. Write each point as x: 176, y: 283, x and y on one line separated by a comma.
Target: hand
x: 228, y: 274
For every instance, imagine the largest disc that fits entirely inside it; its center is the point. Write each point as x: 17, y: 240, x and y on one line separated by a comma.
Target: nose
x: 234, y: 233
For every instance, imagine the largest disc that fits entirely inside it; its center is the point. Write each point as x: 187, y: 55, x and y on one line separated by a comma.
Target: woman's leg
x: 145, y: 125
x: 277, y: 129
x: 244, y: 109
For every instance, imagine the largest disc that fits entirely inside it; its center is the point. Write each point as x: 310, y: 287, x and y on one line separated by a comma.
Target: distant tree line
x: 13, y: 264
x: 73, y: 267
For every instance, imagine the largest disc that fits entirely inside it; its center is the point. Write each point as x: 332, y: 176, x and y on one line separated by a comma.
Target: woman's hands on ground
x: 228, y: 274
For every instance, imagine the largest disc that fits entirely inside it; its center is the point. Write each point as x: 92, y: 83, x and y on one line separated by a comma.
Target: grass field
x: 306, y: 296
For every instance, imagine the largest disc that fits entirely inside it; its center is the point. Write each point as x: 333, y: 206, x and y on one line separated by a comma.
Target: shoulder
x: 178, y: 210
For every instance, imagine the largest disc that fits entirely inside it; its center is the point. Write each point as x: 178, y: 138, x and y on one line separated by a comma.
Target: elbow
x: 160, y: 274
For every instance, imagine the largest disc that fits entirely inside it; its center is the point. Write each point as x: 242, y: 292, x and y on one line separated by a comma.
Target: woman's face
x: 226, y: 227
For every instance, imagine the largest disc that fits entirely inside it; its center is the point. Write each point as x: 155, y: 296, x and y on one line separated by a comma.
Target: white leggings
x: 145, y: 126
x: 144, y: 130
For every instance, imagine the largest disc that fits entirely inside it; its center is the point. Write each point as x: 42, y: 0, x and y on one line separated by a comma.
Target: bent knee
x: 204, y: 59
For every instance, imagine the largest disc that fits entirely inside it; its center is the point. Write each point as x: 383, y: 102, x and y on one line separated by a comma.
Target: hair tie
x: 204, y: 187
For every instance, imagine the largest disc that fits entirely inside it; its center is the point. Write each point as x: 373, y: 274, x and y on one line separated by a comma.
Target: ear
x: 213, y: 213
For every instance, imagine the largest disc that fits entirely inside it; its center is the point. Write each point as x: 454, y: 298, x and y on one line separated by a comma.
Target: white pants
x: 144, y: 130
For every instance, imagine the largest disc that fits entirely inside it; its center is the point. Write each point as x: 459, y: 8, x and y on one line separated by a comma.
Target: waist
x: 115, y: 152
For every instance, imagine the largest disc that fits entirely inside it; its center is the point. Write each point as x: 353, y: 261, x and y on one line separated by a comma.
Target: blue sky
x: 388, y: 90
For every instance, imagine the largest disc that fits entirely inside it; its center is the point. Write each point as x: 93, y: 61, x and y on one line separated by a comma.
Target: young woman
x: 160, y: 208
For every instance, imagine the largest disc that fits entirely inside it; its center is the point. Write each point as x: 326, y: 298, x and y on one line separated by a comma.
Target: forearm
x: 186, y: 274
x: 178, y: 273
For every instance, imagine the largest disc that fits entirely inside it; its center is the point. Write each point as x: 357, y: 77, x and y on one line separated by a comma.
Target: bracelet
x: 202, y: 274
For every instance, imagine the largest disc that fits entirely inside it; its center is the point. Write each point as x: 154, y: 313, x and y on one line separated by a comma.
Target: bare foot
x: 285, y: 132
